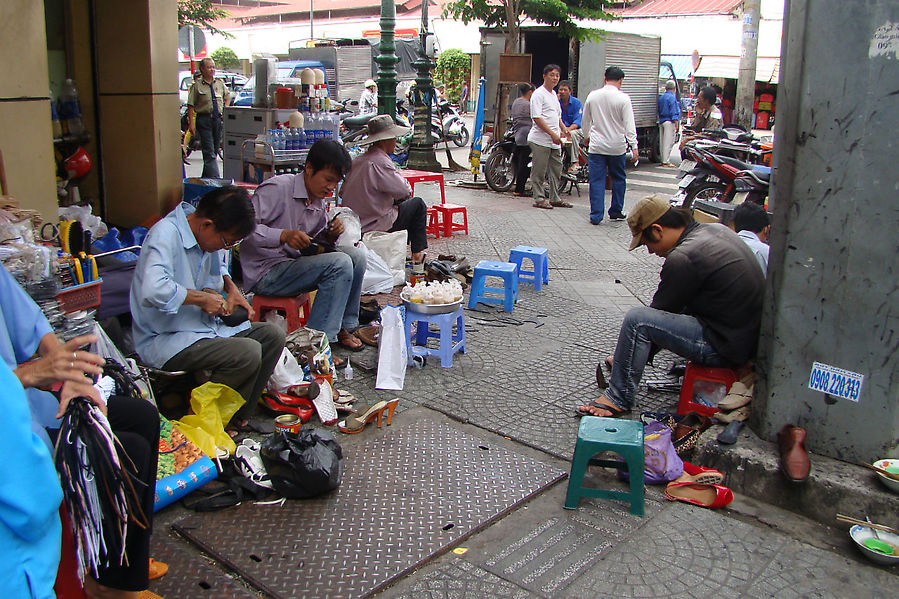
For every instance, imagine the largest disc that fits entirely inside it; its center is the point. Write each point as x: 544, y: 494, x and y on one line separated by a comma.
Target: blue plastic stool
x: 539, y: 257
x: 507, y: 271
x: 624, y: 437
x: 450, y: 342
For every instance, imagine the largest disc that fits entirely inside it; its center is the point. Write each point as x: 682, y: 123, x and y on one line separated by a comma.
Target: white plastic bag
x: 391, y: 247
x: 378, y: 276
x: 276, y: 318
x: 352, y: 226
x: 392, y: 354
x: 287, y: 373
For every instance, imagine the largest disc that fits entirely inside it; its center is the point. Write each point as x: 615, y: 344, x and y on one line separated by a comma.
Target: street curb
x: 834, y: 487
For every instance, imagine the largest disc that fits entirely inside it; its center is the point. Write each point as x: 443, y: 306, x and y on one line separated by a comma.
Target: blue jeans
x: 644, y: 328
x: 210, y: 131
x: 336, y: 275
x: 598, y: 164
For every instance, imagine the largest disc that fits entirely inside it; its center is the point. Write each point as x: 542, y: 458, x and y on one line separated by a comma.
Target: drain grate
x: 406, y: 495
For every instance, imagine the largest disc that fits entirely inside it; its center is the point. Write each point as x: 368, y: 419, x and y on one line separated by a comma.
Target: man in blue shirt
x: 669, y: 119
x: 182, y: 289
x: 572, y: 110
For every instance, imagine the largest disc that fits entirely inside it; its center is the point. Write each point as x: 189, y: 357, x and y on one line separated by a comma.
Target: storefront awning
x: 682, y: 63
x: 766, y: 68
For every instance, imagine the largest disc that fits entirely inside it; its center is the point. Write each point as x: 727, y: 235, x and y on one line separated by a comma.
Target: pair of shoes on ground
x: 699, y: 486
x: 547, y: 205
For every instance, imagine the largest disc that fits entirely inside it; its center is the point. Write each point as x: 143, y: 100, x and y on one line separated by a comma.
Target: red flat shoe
x: 701, y: 474
x: 302, y: 407
x: 701, y: 494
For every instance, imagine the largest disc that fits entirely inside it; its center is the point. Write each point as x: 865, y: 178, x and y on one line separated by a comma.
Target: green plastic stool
x: 624, y: 437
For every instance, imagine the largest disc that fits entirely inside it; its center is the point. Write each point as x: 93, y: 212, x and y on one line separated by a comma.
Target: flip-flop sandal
x: 615, y: 413
x: 544, y: 204
x: 345, y: 339
x: 157, y: 569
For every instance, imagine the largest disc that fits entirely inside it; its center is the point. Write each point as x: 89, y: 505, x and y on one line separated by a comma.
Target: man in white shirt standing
x: 545, y: 141
x: 368, y: 101
x: 609, y: 119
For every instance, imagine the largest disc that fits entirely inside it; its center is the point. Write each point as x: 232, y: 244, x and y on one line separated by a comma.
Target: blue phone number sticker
x: 835, y: 381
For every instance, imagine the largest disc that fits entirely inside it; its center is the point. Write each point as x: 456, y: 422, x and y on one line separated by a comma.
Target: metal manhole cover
x: 405, y: 496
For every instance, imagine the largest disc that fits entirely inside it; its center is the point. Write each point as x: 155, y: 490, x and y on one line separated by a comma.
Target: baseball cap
x: 369, y: 82
x: 647, y: 211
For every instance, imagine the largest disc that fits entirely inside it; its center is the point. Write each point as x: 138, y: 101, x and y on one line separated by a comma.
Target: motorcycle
x: 500, y: 165
x: 448, y: 121
x: 711, y: 176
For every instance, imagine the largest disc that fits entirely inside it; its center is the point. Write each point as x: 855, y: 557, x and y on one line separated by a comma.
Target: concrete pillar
x: 832, y: 295
x: 26, y: 136
x: 137, y: 88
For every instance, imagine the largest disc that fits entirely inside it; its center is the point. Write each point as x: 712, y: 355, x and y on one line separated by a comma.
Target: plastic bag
x: 392, y: 354
x: 391, y: 247
x: 287, y: 373
x: 276, y: 318
x: 378, y: 276
x: 661, y: 464
x: 213, y: 405
x: 83, y: 215
x: 352, y: 226
x: 303, y: 464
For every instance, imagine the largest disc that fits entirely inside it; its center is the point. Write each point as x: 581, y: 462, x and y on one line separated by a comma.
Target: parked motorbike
x: 499, y: 164
x: 448, y: 121
x: 711, y: 176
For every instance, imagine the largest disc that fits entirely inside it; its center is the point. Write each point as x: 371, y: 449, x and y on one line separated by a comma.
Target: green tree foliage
x: 452, y: 69
x: 509, y: 14
x: 201, y: 13
x: 225, y: 58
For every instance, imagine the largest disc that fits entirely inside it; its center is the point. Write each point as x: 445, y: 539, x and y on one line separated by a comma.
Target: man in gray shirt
x: 521, y: 127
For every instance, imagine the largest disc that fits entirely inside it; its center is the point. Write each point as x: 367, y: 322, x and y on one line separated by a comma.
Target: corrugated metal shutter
x: 638, y: 57
x: 354, y: 64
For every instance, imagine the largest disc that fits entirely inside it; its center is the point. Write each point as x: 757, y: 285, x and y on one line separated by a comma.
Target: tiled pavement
x: 520, y: 380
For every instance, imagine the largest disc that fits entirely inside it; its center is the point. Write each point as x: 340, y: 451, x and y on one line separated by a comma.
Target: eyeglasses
x: 228, y: 245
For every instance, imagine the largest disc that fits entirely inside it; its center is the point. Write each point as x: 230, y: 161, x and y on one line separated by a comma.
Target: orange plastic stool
x: 296, y: 309
x: 701, y: 389
x: 433, y: 227
x: 446, y: 218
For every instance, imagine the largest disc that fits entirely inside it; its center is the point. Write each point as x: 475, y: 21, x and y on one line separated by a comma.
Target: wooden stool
x: 446, y: 218
x: 594, y: 435
x: 296, y: 309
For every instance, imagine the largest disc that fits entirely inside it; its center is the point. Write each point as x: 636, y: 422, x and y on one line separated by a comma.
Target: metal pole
x: 311, y: 19
x: 387, y: 60
x: 422, y: 155
x: 748, y: 55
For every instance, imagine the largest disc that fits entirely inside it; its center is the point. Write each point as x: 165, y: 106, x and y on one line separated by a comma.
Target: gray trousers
x: 244, y: 362
x: 546, y: 170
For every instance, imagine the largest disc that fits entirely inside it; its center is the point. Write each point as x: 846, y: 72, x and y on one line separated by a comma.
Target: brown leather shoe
x: 794, y: 461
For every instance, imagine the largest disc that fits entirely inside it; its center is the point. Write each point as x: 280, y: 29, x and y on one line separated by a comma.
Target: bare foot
x: 602, y: 407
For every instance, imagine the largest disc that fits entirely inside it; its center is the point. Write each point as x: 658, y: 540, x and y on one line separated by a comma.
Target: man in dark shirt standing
x: 707, y: 307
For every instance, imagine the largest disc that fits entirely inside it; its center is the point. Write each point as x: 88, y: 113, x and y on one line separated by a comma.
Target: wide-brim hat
x: 382, y: 127
x: 645, y: 213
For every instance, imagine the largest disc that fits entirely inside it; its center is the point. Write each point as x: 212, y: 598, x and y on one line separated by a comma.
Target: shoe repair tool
x: 885, y: 473
x: 869, y: 524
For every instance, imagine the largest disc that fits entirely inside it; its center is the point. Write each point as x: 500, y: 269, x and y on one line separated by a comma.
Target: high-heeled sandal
x: 355, y: 423
x: 391, y: 407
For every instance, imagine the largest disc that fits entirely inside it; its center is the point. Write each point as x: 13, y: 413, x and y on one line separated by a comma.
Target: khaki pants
x: 546, y: 170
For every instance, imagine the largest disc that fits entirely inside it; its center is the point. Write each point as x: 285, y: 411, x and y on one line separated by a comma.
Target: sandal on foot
x: 157, y: 569
x: 614, y: 412
x: 348, y: 340
x: 356, y: 423
x: 543, y: 204
x: 561, y: 204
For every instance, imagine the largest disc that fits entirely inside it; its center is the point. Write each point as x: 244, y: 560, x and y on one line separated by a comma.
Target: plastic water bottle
x: 302, y: 143
x: 291, y: 140
x: 70, y: 109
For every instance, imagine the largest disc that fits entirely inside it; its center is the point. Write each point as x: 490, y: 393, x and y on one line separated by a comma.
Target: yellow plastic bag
x: 213, y: 405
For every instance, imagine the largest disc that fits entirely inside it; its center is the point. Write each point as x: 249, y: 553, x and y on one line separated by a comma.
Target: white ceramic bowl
x: 859, y: 533
x: 891, y: 484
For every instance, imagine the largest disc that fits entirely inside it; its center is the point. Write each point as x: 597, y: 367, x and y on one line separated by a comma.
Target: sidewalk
x: 515, y: 389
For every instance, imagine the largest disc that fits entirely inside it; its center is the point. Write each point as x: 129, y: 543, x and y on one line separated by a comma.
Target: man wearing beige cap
x: 707, y: 307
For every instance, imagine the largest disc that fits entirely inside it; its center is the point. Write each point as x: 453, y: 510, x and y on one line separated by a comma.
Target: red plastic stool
x: 701, y: 389
x: 446, y: 218
x: 433, y: 227
x: 296, y: 309
x: 67, y: 583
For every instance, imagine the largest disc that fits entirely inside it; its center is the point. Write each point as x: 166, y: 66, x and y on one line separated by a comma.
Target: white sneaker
x: 249, y: 463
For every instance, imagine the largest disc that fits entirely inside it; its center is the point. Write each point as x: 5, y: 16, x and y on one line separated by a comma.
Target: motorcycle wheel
x: 498, y: 171
x: 565, y: 179
x: 463, y: 138
x: 705, y: 191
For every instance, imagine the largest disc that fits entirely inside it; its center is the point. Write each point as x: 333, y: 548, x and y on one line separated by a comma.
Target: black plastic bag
x: 303, y: 464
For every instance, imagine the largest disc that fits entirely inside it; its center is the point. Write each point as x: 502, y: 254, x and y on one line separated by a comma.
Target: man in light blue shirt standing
x: 669, y: 119
x: 182, y: 290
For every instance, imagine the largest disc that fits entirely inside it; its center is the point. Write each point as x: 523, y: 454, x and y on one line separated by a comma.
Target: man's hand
x: 335, y: 229
x: 298, y: 240
x: 235, y: 299
x: 80, y: 389
x: 555, y: 138
x: 62, y: 363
